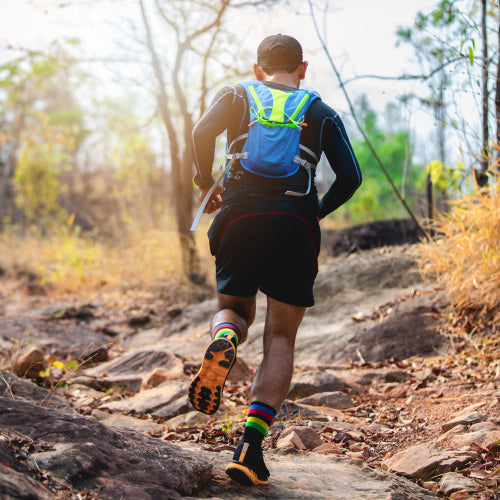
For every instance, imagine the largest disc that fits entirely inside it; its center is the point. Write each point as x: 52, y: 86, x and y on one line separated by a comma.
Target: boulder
x: 390, y: 338
x: 15, y: 478
x: 369, y: 235
x: 134, y: 369
x: 62, y: 338
x: 455, y: 482
x: 29, y: 362
x: 335, y: 399
x: 307, y: 383
x: 308, y: 437
x: 18, y: 388
x: 167, y: 400
x: 467, y: 416
x: 417, y: 462
x: 86, y: 455
x: 14, y: 485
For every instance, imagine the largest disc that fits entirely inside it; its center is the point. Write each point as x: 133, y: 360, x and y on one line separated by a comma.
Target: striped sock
x: 228, y: 331
x: 260, y: 417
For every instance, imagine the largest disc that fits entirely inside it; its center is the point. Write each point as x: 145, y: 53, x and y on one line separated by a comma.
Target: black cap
x: 276, y: 50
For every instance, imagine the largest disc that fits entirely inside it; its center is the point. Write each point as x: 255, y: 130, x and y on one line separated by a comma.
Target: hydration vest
x: 272, y: 145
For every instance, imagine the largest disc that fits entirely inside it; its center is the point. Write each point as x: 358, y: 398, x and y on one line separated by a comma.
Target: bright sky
x: 361, y: 33
x: 361, y: 38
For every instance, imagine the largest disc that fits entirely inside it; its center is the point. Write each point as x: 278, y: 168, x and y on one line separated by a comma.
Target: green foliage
x: 375, y: 199
x: 42, y: 126
x: 36, y: 182
x: 444, y: 177
x: 455, y: 33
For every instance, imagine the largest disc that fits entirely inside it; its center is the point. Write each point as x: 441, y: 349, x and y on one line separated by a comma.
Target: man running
x: 266, y: 236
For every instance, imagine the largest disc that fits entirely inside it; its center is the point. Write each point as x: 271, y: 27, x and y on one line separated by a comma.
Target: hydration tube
x: 208, y: 196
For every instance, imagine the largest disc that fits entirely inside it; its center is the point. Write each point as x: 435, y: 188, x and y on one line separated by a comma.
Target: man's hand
x: 215, y: 201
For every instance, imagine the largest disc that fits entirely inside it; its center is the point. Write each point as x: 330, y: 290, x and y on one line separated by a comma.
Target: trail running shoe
x: 247, y: 466
x: 205, y: 390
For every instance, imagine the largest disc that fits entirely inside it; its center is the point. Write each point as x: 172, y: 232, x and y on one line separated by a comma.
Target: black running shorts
x: 271, y: 246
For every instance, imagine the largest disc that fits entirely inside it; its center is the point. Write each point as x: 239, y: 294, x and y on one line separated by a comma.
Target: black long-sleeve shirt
x: 325, y: 132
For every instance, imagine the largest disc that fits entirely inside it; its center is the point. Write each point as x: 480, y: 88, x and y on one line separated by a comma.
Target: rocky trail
x: 382, y: 406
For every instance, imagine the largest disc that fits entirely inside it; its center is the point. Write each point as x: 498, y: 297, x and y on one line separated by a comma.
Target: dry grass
x: 66, y: 260
x: 464, y: 259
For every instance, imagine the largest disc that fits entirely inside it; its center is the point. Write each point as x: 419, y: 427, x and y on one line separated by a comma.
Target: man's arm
x: 214, y: 121
x: 340, y: 155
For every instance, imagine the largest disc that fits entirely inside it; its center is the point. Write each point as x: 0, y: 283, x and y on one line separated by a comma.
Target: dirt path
x: 370, y: 341
x: 299, y: 476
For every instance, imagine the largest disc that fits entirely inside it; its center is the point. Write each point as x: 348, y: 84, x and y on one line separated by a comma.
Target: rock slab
x: 311, y: 476
x: 85, y: 454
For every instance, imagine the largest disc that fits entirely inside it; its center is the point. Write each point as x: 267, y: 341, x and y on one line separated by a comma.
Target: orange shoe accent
x: 242, y: 474
x: 243, y: 452
x: 205, y: 390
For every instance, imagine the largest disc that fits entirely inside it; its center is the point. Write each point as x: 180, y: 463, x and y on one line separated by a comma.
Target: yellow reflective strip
x: 279, y: 101
x: 251, y: 88
x: 302, y: 103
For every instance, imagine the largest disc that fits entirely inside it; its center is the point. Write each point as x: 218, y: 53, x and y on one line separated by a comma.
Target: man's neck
x: 287, y: 79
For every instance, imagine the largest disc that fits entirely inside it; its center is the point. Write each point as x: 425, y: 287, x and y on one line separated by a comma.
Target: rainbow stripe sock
x: 227, y: 331
x: 260, y: 417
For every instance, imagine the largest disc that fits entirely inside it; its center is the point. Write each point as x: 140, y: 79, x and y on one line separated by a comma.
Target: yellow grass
x: 465, y: 257
x: 69, y: 261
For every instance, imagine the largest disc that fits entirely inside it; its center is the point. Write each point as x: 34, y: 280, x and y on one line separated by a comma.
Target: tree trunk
x: 497, y: 97
x: 181, y: 166
x: 441, y: 197
x: 481, y: 175
x: 6, y: 192
x: 7, y: 170
x: 429, y: 197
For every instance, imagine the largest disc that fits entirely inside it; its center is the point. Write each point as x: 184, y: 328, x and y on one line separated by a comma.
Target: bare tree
x: 497, y: 94
x: 191, y: 40
x: 481, y: 176
x: 359, y: 126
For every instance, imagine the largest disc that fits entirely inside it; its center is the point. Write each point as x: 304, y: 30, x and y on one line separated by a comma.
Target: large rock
x: 308, y: 383
x: 85, y: 454
x: 167, y: 400
x: 59, y: 338
x: 132, y: 370
x: 15, y: 478
x: 29, y: 362
x: 335, y: 399
x: 409, y: 330
x: 313, y: 476
x: 417, y: 462
x: 370, y: 235
x: 352, y: 295
x: 17, y: 388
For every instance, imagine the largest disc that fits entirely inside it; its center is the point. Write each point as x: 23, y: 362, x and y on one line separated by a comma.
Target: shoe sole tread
x: 205, y: 391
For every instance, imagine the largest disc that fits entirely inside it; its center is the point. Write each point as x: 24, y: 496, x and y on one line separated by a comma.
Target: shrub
x: 464, y: 258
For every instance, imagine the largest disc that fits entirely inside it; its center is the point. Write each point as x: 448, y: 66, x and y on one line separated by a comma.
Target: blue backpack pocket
x: 272, y: 150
